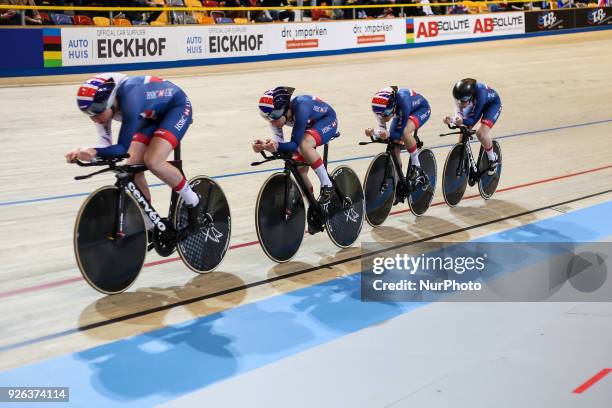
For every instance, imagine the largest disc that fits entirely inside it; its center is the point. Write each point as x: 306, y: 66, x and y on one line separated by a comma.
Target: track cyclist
x: 409, y: 111
x: 475, y: 101
x: 314, y: 124
x: 154, y: 114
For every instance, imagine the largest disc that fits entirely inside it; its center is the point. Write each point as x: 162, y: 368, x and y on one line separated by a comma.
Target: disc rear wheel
x: 421, y: 197
x: 346, y: 217
x: 487, y: 185
x: 203, y: 250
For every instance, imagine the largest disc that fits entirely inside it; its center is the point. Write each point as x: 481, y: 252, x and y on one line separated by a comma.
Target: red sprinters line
x: 532, y: 183
x: 166, y: 260
x: 80, y: 278
x: 40, y: 287
x: 591, y: 381
x: 163, y: 261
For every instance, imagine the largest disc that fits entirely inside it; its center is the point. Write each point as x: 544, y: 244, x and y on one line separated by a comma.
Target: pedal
x: 493, y: 167
x: 314, y: 224
x: 164, y: 242
x: 399, y: 199
x: 400, y: 193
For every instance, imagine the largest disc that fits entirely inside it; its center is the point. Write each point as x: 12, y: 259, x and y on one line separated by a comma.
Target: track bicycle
x: 110, y: 239
x: 280, y: 213
x: 385, y: 182
x: 460, y: 168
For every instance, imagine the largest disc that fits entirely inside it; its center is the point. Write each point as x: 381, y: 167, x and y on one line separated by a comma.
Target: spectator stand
x: 213, y: 12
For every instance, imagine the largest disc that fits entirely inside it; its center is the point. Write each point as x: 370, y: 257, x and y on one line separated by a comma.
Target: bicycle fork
x: 384, y: 184
x: 467, y: 158
x: 287, y: 213
x: 120, y: 215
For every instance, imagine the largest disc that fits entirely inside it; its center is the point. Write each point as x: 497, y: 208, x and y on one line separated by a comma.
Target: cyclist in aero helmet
x: 154, y: 114
x: 409, y: 111
x: 475, y: 101
x: 314, y: 124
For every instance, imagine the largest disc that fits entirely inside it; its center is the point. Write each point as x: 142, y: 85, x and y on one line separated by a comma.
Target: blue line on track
x: 245, y: 173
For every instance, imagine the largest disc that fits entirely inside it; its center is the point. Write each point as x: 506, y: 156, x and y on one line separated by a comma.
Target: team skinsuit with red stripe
x: 310, y: 116
x: 485, y: 107
x: 147, y: 106
x: 411, y: 106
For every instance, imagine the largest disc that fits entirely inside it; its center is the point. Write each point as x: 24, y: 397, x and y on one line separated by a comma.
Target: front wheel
x: 204, y: 249
x: 379, y: 189
x: 109, y: 262
x: 455, y: 177
x: 280, y: 222
x: 344, y: 223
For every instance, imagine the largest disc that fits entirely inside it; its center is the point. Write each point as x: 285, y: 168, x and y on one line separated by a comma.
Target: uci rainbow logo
x: 52, y: 47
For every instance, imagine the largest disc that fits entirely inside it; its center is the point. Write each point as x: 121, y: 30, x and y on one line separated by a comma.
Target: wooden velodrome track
x: 556, y: 94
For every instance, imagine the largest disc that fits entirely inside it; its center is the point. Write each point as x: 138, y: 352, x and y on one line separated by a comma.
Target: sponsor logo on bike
x: 211, y: 233
x: 153, y: 216
x: 351, y: 215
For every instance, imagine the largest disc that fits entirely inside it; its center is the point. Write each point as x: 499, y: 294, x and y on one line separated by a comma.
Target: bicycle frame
x: 390, y: 153
x: 291, y: 169
x: 466, y: 153
x: 125, y: 183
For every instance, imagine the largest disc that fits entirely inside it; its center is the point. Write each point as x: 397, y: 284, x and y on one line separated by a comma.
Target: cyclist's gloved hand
x: 381, y: 134
x: 83, y: 154
x: 258, y: 146
x: 271, y: 146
